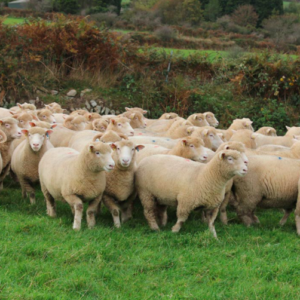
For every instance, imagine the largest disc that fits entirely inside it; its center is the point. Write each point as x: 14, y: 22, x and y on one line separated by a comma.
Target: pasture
x: 43, y: 258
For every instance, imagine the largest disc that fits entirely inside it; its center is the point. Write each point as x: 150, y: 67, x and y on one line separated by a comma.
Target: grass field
x: 43, y: 258
x: 13, y: 21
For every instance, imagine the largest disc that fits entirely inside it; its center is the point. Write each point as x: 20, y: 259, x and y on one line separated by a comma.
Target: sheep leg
x: 287, y: 213
x: 223, y: 207
x: 149, y: 205
x: 78, y: 206
x: 127, y: 208
x: 3, y: 175
x: 162, y: 215
x: 182, y: 215
x: 114, y: 210
x: 92, y: 210
x: 204, y: 216
x: 50, y: 203
x: 212, y: 214
x: 27, y: 188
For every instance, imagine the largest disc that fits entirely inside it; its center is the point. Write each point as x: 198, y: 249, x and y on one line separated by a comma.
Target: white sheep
x: 286, y: 140
x: 120, y: 190
x: 198, y: 120
x: 209, y: 135
x: 67, y: 175
x: 26, y: 158
x: 174, y: 181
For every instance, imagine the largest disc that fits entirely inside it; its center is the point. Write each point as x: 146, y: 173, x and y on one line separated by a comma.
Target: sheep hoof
x: 175, y: 229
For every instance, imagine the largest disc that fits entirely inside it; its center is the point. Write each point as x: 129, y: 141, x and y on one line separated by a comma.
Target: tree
x: 68, y: 6
x: 245, y: 15
x: 212, y: 10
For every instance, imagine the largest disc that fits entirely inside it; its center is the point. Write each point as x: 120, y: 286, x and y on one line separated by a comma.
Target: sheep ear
x: 123, y: 136
x: 190, y: 129
x: 20, y: 105
x: 11, y: 112
x: 195, y: 117
x: 132, y: 116
x: 53, y: 126
x: 91, y: 148
x: 250, y: 122
x: 1, y: 122
x: 254, y: 135
x: 32, y: 124
x: 144, y: 112
x: 47, y: 106
x: 221, y: 135
x: 113, y: 146
x: 97, y: 137
x: 268, y: 130
x: 25, y: 132
x: 89, y: 116
x: 222, y: 155
x: 287, y: 127
x: 48, y: 132
x: 15, y: 116
x: 205, y: 132
x: 168, y: 116
x: 127, y: 108
x: 139, y: 147
x: 113, y: 121
x: 184, y: 142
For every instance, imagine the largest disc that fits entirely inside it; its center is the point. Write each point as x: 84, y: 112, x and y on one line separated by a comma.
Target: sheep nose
x: 36, y: 145
x: 111, y: 166
x: 125, y: 160
x: 246, y: 162
x: 204, y: 157
x: 132, y: 132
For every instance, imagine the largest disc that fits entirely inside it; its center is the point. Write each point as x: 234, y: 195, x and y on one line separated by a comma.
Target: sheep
x: 80, y: 112
x: 120, y: 191
x: 46, y: 115
x: 23, y: 107
x: 211, y: 119
x: 59, y: 117
x: 163, y: 125
x: 138, y: 109
x: 66, y: 174
x: 209, y: 135
x: 120, y: 125
x: 163, y: 181
x: 26, y: 158
x: 244, y: 136
x: 136, y: 119
x: 55, y: 108
x: 109, y: 136
x: 286, y: 140
x: 76, y: 123
x: 91, y: 116
x: 179, y: 122
x: 160, y: 141
x: 3, y: 139
x: 273, y: 148
x: 198, y: 120
x: 42, y: 124
x: 5, y: 113
x: 98, y: 125
x: 266, y: 187
x: 165, y: 116
x: 61, y: 136
x: 237, y: 124
x: 267, y: 131
x: 12, y: 131
x: 24, y: 119
x: 291, y: 131
x: 188, y: 147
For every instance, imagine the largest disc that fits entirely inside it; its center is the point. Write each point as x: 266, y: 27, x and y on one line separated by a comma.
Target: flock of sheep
x: 171, y: 161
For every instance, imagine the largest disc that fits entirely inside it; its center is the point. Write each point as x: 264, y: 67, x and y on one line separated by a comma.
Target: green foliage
x: 212, y: 10
x: 68, y: 6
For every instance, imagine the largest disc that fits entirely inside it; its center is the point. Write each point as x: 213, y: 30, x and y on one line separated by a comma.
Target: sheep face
x: 55, y: 108
x: 36, y: 137
x: 46, y: 115
x: 270, y: 131
x: 121, y: 125
x: 198, y: 120
x: 24, y: 119
x: 91, y: 116
x: 99, y: 157
x: 137, y: 119
x: 214, y: 138
x: 233, y: 163
x: 125, y: 152
x: 211, y: 119
x: 237, y: 146
x: 100, y: 125
x: 76, y: 123
x: 193, y: 148
x: 168, y: 116
x: 10, y: 127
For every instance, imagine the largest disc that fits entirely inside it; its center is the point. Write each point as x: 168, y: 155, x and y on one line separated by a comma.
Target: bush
x: 165, y: 33
x: 245, y: 15
x: 235, y: 52
x: 107, y: 19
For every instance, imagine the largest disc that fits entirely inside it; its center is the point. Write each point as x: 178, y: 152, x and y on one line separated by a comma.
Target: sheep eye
x: 44, y: 117
x: 7, y: 125
x: 208, y: 116
x: 118, y: 148
x: 97, y: 153
x: 119, y: 124
x: 211, y: 135
x: 21, y: 121
x: 192, y: 146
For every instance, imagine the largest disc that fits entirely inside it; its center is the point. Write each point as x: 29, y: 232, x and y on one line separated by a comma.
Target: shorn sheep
x: 174, y: 181
x: 67, y: 175
x: 26, y: 158
x: 120, y: 190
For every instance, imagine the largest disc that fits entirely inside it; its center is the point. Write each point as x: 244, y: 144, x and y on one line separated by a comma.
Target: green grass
x: 13, y: 21
x: 43, y: 258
